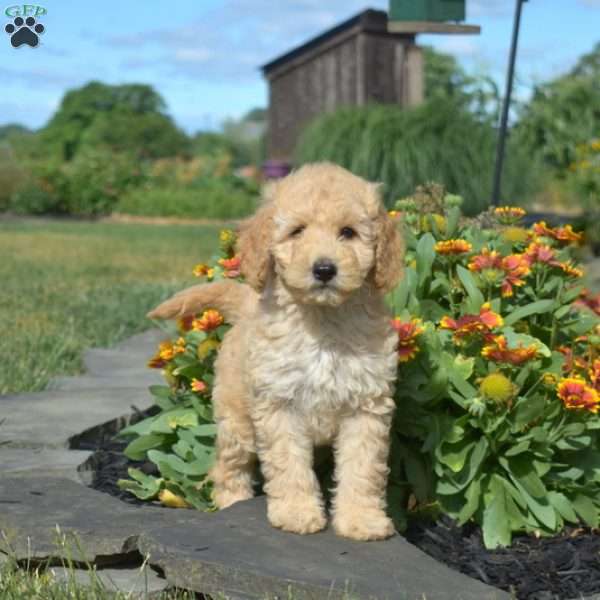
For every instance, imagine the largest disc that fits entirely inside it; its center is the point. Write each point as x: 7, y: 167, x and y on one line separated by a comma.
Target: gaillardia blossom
x: 561, y: 234
x: 576, y: 395
x: 203, y: 270
x: 498, y: 351
x: 198, y: 386
x: 210, y: 319
x: 231, y: 266
x: 408, y: 331
x: 509, y: 214
x: 467, y: 325
x: 497, y: 387
x: 453, y: 247
x: 513, y: 268
x: 166, y: 352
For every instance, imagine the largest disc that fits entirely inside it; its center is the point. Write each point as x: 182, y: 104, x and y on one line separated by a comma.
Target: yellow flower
x: 515, y: 235
x: 168, y: 498
x: 453, y: 247
x: 408, y: 331
x: 497, y: 387
x: 226, y: 236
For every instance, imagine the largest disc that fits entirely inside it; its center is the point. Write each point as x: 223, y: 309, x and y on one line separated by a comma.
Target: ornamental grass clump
x: 498, y: 406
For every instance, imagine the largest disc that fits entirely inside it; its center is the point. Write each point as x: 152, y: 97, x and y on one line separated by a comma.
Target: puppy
x: 311, y: 358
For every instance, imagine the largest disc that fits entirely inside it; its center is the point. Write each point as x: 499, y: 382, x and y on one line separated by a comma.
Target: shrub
x: 499, y: 378
x: 585, y: 174
x: 437, y: 141
x: 206, y: 197
x: 12, y: 175
x: 33, y: 198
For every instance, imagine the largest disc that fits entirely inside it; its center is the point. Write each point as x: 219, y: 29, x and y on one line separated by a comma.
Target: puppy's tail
x: 233, y: 300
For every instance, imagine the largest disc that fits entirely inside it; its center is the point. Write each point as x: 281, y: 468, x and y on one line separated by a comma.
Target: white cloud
x: 590, y: 3
x: 462, y: 47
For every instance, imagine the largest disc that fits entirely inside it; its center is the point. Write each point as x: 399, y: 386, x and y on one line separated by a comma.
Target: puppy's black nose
x: 324, y: 270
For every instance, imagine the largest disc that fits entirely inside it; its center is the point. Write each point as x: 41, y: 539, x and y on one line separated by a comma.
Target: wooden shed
x: 352, y: 64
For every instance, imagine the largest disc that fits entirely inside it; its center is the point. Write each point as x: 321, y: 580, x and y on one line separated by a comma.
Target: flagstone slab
x: 50, y: 419
x: 88, y: 382
x: 147, y: 340
x: 44, y: 462
x: 234, y: 551
x: 106, y: 362
x: 136, y: 582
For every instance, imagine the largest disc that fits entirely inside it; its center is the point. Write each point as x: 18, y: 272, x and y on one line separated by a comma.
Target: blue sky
x: 203, y: 55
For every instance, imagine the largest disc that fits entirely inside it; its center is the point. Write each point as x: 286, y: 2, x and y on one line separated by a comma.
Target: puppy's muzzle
x: 324, y: 270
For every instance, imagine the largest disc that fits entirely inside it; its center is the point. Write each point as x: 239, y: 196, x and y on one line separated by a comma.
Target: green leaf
x: 425, y: 257
x: 539, y: 307
x: 522, y: 469
x: 527, y: 410
x: 455, y: 455
x: 473, y: 499
x: 563, y: 506
x: 587, y: 510
x: 160, y: 391
x: 518, y: 448
x: 496, y: 525
x: 136, y: 450
x: 473, y: 292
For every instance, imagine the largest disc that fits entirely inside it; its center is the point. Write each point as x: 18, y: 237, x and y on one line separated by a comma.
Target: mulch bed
x: 564, y: 567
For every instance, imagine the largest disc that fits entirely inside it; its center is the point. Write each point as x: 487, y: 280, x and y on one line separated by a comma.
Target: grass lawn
x: 66, y: 286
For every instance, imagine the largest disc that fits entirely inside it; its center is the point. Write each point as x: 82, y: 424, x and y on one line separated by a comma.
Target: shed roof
x: 369, y: 20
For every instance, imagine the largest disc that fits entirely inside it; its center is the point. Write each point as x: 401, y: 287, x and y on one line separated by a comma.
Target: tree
x: 446, y: 79
x: 128, y: 117
x: 563, y: 114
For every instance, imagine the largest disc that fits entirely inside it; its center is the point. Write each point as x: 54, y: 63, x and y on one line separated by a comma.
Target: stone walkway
x: 46, y: 511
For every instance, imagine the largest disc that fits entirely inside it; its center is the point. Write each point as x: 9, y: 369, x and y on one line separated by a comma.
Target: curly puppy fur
x: 311, y: 359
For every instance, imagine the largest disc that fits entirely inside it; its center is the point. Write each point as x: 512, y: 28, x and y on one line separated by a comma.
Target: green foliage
x: 563, y: 114
x: 12, y: 175
x: 438, y: 141
x: 210, y: 199
x: 498, y: 408
x: 122, y: 117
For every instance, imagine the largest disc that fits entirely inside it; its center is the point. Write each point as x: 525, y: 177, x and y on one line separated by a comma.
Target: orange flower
x: 453, y: 247
x: 408, y: 331
x: 576, y: 395
x: 394, y: 214
x: 166, y: 352
x: 231, y: 266
x: 467, y: 325
x: 498, y: 351
x: 571, y: 270
x: 541, y: 253
x: 210, y: 319
x: 198, y: 386
x: 486, y: 260
x: 515, y: 267
x: 561, y: 234
x: 509, y: 214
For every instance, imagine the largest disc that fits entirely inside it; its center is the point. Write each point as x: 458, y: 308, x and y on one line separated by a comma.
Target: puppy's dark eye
x: 297, y: 231
x: 347, y: 233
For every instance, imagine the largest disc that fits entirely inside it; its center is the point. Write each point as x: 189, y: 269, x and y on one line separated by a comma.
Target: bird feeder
x: 429, y: 16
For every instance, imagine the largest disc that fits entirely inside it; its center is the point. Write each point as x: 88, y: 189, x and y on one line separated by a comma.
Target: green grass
x: 67, y: 286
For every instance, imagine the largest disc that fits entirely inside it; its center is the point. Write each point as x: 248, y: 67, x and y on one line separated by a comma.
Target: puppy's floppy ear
x: 254, y: 243
x: 389, y: 250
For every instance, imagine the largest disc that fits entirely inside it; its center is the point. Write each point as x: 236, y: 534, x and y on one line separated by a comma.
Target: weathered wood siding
x: 358, y: 68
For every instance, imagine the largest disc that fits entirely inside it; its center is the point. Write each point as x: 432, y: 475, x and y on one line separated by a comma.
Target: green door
x: 427, y: 10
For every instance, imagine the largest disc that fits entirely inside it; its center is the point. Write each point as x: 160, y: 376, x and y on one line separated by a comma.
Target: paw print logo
x: 24, y: 32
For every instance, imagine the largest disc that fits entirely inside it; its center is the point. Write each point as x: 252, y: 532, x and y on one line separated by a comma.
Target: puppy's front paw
x: 358, y: 523
x: 296, y: 516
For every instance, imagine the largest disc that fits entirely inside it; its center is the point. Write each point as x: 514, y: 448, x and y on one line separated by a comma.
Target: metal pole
x: 500, y: 150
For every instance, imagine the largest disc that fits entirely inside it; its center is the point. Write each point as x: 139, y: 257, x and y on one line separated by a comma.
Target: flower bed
x: 499, y: 380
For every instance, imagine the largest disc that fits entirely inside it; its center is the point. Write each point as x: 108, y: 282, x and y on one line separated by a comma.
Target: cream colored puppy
x: 311, y: 358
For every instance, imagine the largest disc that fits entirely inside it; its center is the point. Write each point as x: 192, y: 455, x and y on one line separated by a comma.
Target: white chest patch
x: 321, y: 368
